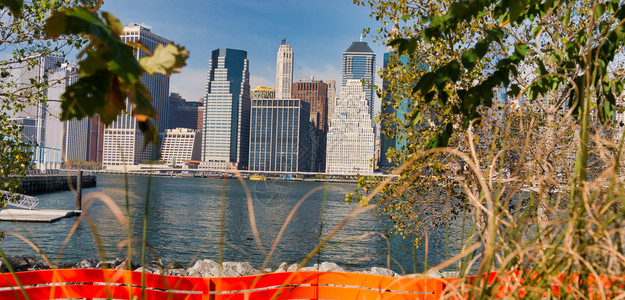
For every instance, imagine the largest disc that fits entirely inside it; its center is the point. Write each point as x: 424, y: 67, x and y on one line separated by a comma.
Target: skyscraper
x: 284, y: 71
x: 279, y: 136
x: 226, y: 127
x: 315, y: 93
x: 399, y: 112
x: 123, y: 141
x: 359, y: 63
x: 351, y: 137
x: 331, y: 98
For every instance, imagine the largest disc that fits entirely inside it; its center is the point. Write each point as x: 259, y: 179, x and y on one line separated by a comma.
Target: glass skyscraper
x: 359, y: 63
x: 279, y: 135
x: 226, y: 118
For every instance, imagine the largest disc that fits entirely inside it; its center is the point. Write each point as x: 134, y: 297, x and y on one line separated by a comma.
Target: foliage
x: 561, y: 64
x: 109, y: 71
x: 21, y: 83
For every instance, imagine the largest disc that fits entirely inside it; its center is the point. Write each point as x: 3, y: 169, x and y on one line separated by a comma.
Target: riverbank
x: 201, y: 268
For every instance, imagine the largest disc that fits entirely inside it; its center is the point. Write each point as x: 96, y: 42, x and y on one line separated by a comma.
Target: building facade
x: 359, y: 64
x: 226, y: 118
x: 284, y: 71
x: 315, y: 93
x: 183, y: 113
x: 279, y: 135
x: 351, y: 137
x: 331, y: 97
x: 180, y: 145
x: 262, y: 92
x: 123, y: 141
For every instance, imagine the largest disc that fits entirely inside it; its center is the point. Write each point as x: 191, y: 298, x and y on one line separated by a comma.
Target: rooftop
x: 359, y: 47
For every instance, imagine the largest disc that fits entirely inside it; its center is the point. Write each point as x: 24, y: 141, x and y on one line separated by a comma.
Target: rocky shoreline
x: 201, y: 268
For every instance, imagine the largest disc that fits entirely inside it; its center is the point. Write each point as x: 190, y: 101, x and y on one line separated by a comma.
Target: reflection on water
x: 184, y: 224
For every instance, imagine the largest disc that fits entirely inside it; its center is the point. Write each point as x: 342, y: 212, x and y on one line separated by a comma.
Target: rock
x: 118, y: 261
x: 40, y: 265
x: 282, y: 267
x: 233, y: 269
x: 382, y: 272
x: 293, y: 268
x: 176, y: 272
x: 315, y: 267
x: 194, y: 274
x: 18, y: 263
x: 154, y: 267
x: 267, y: 270
x: 106, y: 264
x: 30, y: 259
x: 149, y: 270
x: 89, y: 263
x: 174, y: 265
x: 205, y: 268
x: 433, y: 274
x: 330, y: 267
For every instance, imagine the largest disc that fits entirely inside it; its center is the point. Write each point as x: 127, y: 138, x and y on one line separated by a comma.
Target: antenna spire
x: 284, y: 41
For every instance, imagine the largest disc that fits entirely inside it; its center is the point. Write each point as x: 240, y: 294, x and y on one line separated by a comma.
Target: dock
x: 36, y: 215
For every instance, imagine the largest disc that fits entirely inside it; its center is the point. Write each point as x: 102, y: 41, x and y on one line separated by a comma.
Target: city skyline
x: 317, y: 33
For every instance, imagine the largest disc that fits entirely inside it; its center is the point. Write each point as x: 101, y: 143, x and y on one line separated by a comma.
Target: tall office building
x: 399, y: 112
x: 183, y: 113
x: 180, y: 145
x: 315, y: 93
x: 262, y: 92
x: 351, y: 137
x: 331, y: 97
x: 284, y: 71
x: 23, y: 77
x: 279, y: 136
x: 226, y: 127
x: 123, y: 141
x: 359, y: 63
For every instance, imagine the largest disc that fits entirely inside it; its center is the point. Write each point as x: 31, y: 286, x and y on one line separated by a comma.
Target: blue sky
x: 319, y: 32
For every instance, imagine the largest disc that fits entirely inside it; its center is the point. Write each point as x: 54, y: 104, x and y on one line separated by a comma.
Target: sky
x: 318, y: 30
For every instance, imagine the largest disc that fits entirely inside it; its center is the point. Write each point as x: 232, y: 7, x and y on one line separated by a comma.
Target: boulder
x: 174, y: 265
x: 176, y: 272
x: 382, y: 272
x: 18, y: 263
x: 282, y: 267
x: 88, y: 263
x: 330, y: 267
x: 233, y: 269
x: 149, y: 270
x: 204, y: 268
x: 40, y: 265
x: 292, y: 268
x: 30, y: 259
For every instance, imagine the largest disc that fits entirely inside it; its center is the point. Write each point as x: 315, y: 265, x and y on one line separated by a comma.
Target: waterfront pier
x: 47, y: 183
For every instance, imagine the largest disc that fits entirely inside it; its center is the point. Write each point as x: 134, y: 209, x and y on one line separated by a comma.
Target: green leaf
x: 405, y: 17
x: 113, y: 23
x: 516, y: 8
x: 469, y: 59
x: 15, y: 6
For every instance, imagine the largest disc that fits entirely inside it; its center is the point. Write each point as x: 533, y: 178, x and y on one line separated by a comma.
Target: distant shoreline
x: 227, y: 175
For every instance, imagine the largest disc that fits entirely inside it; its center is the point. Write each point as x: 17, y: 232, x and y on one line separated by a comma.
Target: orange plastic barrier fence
x: 118, y: 284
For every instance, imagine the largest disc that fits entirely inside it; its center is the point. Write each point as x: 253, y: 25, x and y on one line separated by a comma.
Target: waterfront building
x: 123, y: 141
x: 315, y: 93
x: 26, y: 76
x: 183, y: 113
x: 284, y: 71
x: 181, y: 145
x: 359, y: 64
x: 262, y: 92
x: 279, y: 135
x: 226, y: 118
x: 400, y: 112
x: 331, y: 97
x: 351, y: 137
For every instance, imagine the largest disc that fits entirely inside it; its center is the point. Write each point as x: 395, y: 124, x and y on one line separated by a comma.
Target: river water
x: 184, y: 224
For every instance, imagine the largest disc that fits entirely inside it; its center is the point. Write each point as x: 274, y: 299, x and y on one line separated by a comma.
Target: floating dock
x: 36, y: 215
